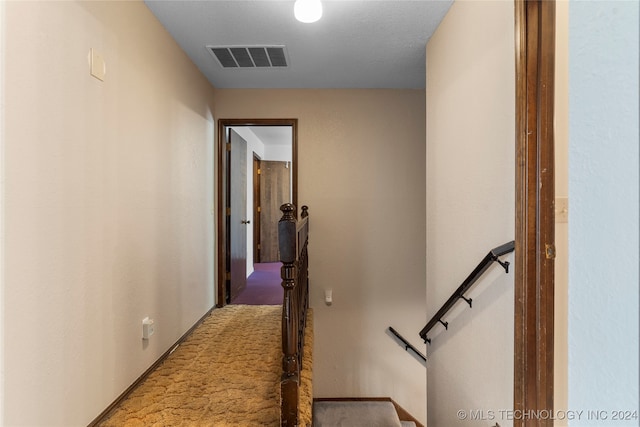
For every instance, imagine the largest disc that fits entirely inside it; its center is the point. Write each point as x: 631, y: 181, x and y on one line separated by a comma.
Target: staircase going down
x: 359, y: 413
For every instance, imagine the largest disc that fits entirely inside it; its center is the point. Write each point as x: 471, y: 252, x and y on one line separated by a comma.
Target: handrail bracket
x: 504, y: 264
x: 468, y: 300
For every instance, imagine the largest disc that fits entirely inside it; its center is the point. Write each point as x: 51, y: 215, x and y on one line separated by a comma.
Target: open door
x: 237, y: 215
x: 232, y: 183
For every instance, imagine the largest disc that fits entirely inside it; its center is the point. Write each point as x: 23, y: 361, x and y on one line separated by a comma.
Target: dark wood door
x: 275, y: 189
x: 237, y: 215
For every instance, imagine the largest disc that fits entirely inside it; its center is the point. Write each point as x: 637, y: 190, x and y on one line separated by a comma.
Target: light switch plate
x: 98, y: 66
x: 562, y: 209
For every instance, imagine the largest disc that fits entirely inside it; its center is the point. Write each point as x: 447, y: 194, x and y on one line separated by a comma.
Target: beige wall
x: 107, y: 199
x: 561, y: 171
x: 470, y: 210
x: 361, y: 159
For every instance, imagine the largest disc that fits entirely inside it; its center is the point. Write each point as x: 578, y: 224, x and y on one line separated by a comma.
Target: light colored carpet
x: 355, y: 414
x: 227, y: 373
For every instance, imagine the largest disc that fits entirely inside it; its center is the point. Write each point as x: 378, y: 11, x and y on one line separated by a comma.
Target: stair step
x: 355, y: 414
x: 407, y: 424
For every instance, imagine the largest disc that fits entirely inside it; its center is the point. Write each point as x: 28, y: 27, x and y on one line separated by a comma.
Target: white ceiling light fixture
x: 307, y: 11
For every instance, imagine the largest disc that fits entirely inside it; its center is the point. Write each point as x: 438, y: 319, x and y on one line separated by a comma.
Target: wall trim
x: 535, y: 244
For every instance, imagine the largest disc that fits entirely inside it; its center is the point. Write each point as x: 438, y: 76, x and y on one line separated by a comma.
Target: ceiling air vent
x: 250, y: 56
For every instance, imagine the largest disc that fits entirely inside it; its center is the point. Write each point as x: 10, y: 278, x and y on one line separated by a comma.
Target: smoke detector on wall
x: 250, y: 56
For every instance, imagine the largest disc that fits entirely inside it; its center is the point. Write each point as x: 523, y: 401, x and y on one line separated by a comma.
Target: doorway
x: 266, y: 151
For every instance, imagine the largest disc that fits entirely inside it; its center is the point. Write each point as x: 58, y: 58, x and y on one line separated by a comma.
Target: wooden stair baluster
x: 287, y: 236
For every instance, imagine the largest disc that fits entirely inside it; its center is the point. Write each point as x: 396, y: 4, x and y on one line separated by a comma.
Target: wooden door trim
x: 535, y: 250
x: 256, y: 204
x: 222, y: 188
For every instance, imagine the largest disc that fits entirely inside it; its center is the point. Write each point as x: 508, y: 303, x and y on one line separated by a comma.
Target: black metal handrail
x: 464, y: 287
x: 407, y: 344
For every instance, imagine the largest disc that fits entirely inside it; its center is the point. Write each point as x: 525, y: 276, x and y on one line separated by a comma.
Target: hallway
x: 226, y: 373
x: 263, y: 286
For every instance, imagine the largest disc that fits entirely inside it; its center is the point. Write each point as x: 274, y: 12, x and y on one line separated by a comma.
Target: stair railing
x: 293, y: 239
x: 407, y: 345
x: 464, y: 287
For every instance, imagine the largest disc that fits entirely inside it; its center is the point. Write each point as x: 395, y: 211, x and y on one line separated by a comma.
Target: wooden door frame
x: 256, y: 206
x: 534, y: 234
x: 222, y: 189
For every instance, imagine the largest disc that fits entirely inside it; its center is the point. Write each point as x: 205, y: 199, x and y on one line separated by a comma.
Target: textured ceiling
x: 356, y: 44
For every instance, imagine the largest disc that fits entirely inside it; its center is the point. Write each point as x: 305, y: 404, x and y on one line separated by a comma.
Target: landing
x: 226, y: 373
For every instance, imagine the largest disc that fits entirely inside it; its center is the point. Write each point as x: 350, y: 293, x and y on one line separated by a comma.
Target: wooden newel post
x: 287, y: 239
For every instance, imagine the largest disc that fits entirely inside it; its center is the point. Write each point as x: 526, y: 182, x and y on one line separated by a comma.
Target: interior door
x: 275, y: 189
x: 237, y: 215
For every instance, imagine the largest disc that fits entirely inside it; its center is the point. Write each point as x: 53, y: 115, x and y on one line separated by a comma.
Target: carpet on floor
x: 264, y: 286
x: 226, y: 373
x: 355, y: 414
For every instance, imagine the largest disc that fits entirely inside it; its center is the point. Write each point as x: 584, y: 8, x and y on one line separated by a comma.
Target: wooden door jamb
x: 535, y: 244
